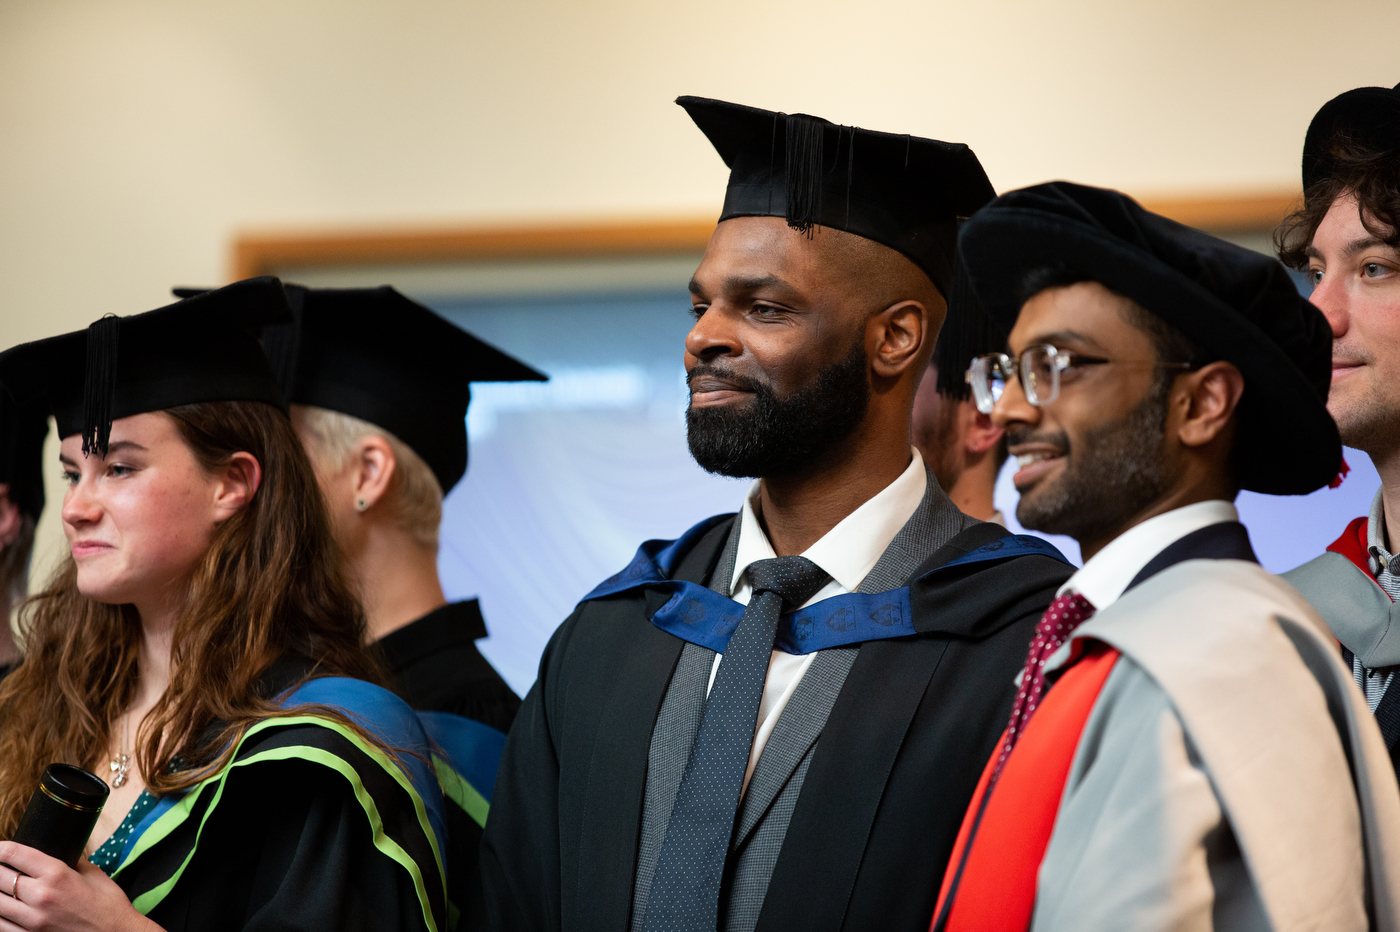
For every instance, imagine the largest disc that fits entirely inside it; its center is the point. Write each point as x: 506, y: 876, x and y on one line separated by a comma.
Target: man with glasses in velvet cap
x: 776, y: 721
x: 1186, y: 749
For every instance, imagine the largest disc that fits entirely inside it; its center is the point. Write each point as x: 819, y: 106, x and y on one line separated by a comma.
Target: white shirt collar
x: 1103, y: 579
x: 851, y: 549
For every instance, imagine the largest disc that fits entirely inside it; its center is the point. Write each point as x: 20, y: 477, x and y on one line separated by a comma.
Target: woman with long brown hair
x: 201, y: 650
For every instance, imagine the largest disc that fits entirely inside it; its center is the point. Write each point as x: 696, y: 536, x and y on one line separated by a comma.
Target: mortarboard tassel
x: 1341, y: 474
x: 100, y: 383
x: 806, y: 137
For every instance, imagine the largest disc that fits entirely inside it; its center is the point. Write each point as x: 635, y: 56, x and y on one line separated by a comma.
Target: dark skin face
x: 775, y: 306
x: 1087, y: 318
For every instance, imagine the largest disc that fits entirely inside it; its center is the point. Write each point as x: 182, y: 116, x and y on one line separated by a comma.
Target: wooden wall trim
x: 258, y: 254
x: 263, y: 253
x: 1228, y: 213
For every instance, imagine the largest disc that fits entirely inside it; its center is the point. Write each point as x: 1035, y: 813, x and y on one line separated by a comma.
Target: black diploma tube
x: 62, y: 812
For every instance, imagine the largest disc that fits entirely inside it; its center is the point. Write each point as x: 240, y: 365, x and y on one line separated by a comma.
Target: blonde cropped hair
x: 414, y: 487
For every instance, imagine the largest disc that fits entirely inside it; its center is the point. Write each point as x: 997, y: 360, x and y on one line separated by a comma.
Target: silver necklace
x: 121, y: 764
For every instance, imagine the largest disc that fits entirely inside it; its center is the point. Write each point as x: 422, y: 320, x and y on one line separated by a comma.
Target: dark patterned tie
x: 1066, y: 613
x: 684, y: 894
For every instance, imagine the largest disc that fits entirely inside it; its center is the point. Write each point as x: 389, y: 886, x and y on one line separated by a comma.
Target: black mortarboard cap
x: 905, y: 192
x: 22, y: 432
x: 1237, y: 304
x: 384, y: 358
x: 1366, y: 117
x: 204, y: 348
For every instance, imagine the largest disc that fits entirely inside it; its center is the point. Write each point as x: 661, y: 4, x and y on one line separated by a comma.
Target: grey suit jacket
x: 773, y: 791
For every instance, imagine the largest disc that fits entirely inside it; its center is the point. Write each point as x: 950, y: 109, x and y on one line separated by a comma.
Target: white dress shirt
x: 848, y: 552
x: 1103, y: 579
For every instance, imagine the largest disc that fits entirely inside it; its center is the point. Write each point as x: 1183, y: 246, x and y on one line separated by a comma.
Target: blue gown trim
x: 376, y: 710
x: 470, y: 747
x: 701, y: 616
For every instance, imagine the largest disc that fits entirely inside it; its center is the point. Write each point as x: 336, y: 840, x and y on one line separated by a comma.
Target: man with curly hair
x: 1346, y: 238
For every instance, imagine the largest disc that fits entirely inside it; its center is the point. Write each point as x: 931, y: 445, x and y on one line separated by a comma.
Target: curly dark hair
x: 1371, y: 174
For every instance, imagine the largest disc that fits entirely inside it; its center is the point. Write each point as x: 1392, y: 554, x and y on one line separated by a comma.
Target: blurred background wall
x: 139, y: 140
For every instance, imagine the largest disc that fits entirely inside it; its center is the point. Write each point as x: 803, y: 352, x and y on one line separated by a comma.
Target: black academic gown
x: 308, y: 828
x: 435, y: 666
x: 881, y: 804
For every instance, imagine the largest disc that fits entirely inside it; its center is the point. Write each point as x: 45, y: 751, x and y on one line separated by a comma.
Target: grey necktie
x: 684, y: 895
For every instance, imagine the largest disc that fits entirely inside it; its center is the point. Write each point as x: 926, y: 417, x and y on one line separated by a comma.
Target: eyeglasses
x: 1039, y: 368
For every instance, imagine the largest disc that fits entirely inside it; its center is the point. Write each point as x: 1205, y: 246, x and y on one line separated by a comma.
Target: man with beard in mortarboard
x: 774, y: 721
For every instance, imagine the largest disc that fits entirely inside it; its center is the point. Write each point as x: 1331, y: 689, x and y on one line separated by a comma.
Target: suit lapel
x: 797, y: 730
x: 935, y: 521
x: 845, y: 782
x: 610, y: 816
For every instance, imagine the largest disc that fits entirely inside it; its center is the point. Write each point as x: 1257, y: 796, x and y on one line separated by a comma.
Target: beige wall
x: 137, y: 137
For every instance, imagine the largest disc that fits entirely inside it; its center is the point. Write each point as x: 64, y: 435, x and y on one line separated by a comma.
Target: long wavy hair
x: 270, y: 583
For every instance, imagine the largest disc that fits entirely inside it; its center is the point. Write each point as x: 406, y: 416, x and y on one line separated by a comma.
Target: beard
x: 772, y: 436
x: 1117, y: 472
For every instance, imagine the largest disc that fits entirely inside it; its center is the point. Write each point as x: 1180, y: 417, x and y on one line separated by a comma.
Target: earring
x: 361, y: 504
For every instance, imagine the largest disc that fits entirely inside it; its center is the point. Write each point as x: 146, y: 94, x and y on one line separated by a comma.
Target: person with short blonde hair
x: 379, y: 387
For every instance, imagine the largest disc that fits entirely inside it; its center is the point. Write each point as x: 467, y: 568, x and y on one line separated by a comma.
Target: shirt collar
x: 1103, y: 579
x: 1375, y: 534
x: 851, y: 549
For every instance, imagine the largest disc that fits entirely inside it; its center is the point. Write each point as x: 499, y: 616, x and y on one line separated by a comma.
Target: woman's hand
x: 42, y: 894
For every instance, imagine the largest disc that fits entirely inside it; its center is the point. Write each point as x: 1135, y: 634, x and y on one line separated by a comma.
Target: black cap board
x: 905, y: 192
x: 204, y: 348
x: 1367, y: 117
x: 374, y: 354
x: 1239, y: 305
x: 22, y: 432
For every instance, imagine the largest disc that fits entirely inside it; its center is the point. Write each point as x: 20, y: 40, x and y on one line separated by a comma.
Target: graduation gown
x: 1228, y: 774
x: 435, y: 666
x: 308, y: 827
x: 1362, y: 616
x: 881, y: 794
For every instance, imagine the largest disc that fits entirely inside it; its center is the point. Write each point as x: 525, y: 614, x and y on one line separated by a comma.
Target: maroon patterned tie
x: 1066, y: 613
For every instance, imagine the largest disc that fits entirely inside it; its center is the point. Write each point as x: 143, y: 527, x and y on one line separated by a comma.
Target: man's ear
x: 10, y: 519
x: 982, y: 434
x: 374, y: 464
x: 238, y: 483
x: 1209, y: 397
x: 899, y: 333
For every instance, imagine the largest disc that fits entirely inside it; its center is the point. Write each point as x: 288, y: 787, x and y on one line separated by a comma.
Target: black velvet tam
x: 376, y: 355
x: 904, y: 192
x: 204, y: 348
x: 1239, y: 305
x: 22, y: 432
x: 1368, y: 117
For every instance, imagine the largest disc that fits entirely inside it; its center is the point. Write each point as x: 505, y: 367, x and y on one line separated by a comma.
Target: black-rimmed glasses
x: 1039, y: 368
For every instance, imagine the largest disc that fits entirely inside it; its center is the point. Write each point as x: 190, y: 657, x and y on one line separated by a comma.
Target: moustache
x: 743, y: 382
x: 1018, y: 436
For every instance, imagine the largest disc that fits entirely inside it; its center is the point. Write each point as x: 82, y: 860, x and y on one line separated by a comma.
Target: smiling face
x: 789, y: 344
x: 1356, y: 281
x: 1092, y: 460
x: 139, y: 520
